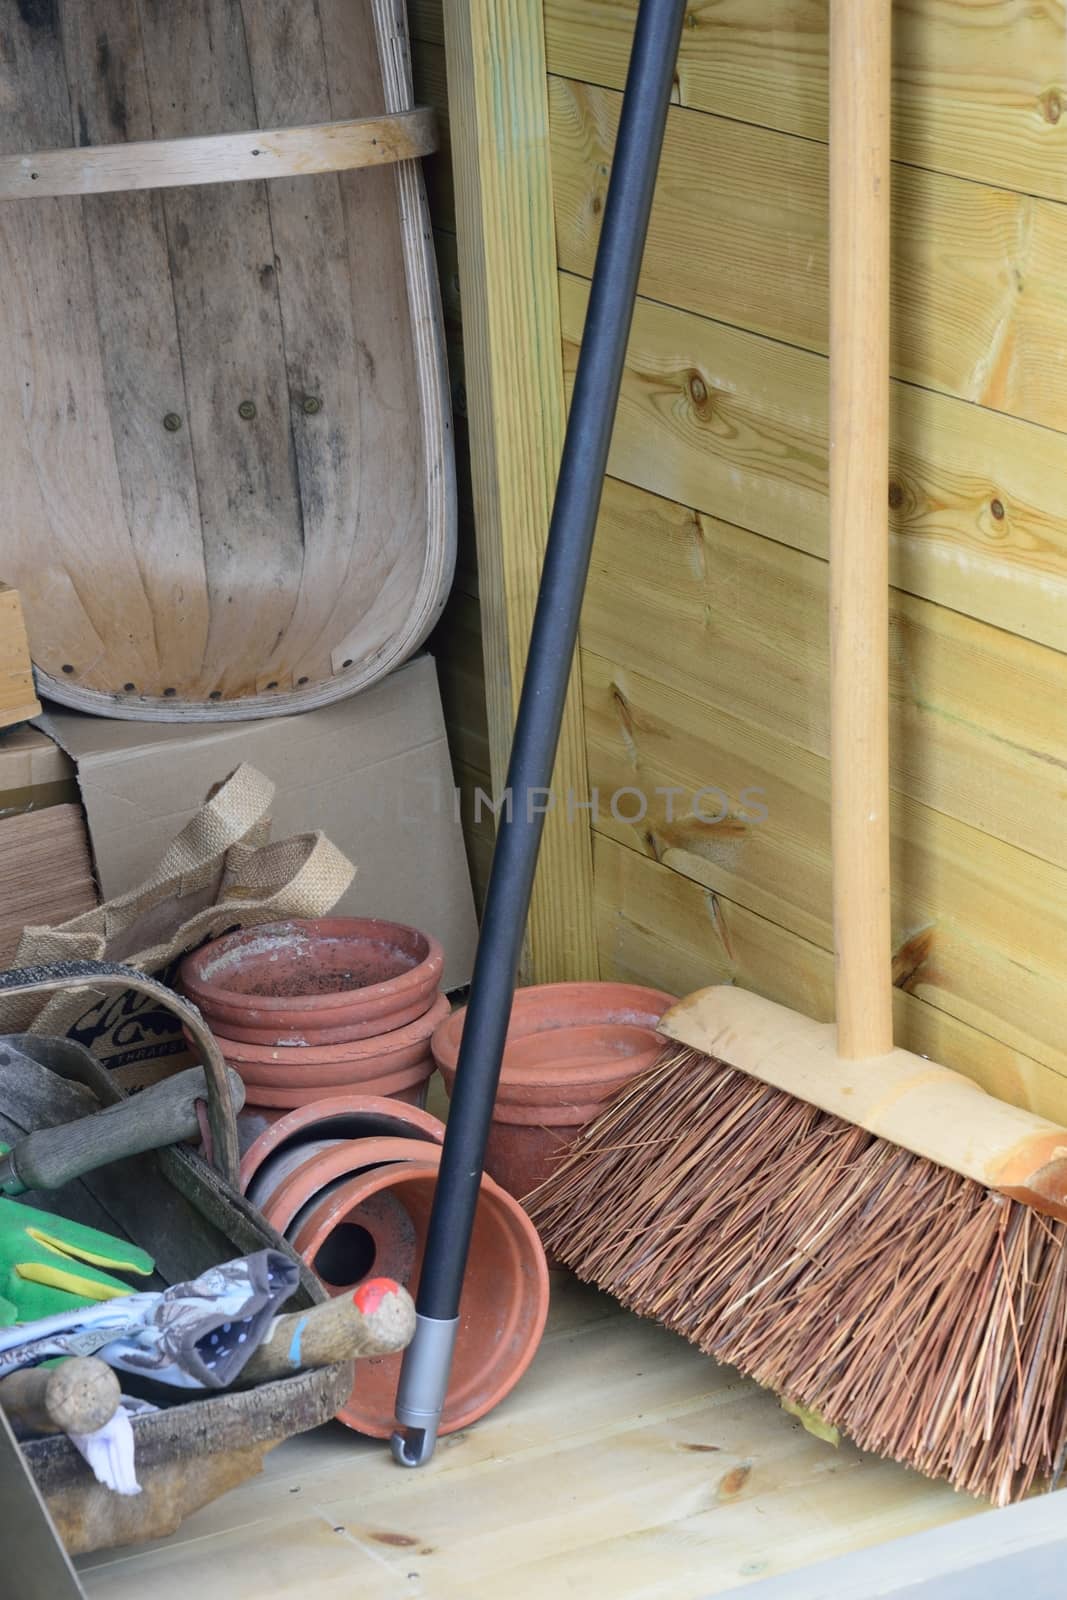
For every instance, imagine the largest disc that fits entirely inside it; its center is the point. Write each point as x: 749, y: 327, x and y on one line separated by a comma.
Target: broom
x: 862, y: 1230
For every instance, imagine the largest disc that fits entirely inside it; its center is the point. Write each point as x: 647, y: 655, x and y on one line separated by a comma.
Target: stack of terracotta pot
x: 307, y: 1010
x: 571, y: 1047
x: 350, y: 1182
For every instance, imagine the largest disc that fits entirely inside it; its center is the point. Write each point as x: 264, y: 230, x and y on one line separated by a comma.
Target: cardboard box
x: 46, y: 876
x: 373, y: 772
x: 34, y: 772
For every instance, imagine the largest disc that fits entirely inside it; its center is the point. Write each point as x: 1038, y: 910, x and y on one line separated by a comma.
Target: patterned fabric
x: 195, y: 1335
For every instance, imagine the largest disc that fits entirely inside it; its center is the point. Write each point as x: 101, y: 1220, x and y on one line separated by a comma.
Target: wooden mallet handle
x: 78, y: 1396
x: 377, y: 1319
x: 158, y: 1116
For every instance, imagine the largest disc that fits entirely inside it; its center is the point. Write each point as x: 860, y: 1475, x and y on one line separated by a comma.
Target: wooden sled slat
x: 220, y: 158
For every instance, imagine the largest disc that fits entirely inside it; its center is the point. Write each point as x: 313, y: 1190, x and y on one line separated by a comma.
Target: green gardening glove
x: 50, y: 1265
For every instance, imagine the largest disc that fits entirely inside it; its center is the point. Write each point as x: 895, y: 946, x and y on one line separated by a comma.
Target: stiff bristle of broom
x: 918, y: 1312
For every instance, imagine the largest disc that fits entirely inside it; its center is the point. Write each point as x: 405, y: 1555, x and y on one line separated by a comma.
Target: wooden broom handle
x: 860, y: 60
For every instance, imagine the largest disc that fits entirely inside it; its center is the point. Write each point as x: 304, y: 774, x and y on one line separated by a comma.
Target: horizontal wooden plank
x: 736, y: 425
x: 625, y: 1465
x: 979, y: 927
x: 655, y: 926
x: 979, y: 90
x: 979, y: 717
x: 219, y: 157
x: 740, y: 232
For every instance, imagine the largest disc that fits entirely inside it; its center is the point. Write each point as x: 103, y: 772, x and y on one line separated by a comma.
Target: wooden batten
x: 515, y: 405
x: 917, y: 1104
x: 219, y: 158
x: 18, y: 699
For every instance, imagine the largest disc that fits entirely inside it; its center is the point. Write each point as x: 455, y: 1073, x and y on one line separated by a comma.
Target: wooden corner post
x: 498, y: 113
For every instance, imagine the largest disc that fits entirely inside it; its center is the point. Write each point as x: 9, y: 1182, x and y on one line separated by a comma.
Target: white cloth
x: 110, y: 1450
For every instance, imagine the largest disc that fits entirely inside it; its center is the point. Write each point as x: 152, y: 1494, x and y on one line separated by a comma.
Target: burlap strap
x: 216, y: 875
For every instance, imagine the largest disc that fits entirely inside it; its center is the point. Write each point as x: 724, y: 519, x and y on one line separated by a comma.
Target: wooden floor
x: 625, y: 1466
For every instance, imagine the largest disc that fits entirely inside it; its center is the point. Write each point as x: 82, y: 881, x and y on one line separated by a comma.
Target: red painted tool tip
x: 369, y: 1296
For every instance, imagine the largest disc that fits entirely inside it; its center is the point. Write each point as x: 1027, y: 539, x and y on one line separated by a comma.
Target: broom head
x: 881, y: 1242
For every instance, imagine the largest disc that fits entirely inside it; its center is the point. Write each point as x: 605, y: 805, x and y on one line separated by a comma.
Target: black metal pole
x: 555, y: 629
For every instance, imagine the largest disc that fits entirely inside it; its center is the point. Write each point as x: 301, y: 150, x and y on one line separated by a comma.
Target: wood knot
x: 731, y: 1485
x: 911, y: 960
x: 1051, y: 104
x: 700, y: 397
x: 896, y: 496
x: 997, y: 508
x: 622, y: 708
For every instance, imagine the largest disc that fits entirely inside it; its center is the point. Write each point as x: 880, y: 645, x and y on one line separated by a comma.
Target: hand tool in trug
x: 161, y: 1115
x: 377, y: 1319
x: 109, y: 976
x: 858, y: 1228
x: 427, y: 1364
x: 36, y: 1566
x: 77, y: 1396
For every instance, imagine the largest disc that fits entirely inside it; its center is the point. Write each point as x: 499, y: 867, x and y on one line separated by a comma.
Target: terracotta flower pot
x: 575, y: 1067
x: 315, y: 1066
x: 341, y: 1117
x: 317, y: 1169
x: 264, y: 1107
x: 570, y: 1048
x: 326, y: 981
x: 561, y: 1005
x: 376, y: 1223
x: 281, y: 1077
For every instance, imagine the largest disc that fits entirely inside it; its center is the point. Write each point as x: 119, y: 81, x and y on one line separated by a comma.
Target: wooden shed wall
x: 703, y: 645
